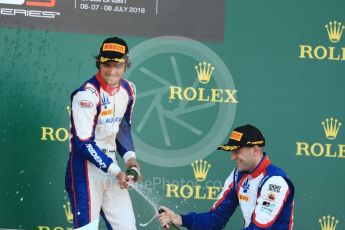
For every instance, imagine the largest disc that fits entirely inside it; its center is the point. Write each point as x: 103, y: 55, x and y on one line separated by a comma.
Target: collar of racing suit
x: 261, y: 167
x: 109, y: 89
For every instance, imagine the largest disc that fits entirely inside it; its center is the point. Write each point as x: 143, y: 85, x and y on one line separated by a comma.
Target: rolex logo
x: 322, y: 52
x: 334, y: 30
x: 204, y: 71
x: 195, y: 190
x: 200, y: 169
x: 328, y: 223
x: 331, y: 127
x: 205, y: 94
x: 68, y: 212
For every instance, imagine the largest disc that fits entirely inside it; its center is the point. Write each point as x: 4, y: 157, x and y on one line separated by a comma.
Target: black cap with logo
x: 113, y: 49
x: 244, y: 136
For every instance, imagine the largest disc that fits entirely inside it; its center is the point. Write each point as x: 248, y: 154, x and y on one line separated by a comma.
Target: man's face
x: 244, y: 158
x: 112, y: 72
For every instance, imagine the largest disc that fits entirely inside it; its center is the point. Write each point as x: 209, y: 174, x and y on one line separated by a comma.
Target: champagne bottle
x: 171, y: 225
x: 133, y: 173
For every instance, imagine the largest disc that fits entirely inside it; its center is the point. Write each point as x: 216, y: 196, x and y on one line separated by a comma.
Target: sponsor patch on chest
x: 244, y: 198
x: 106, y: 112
x: 110, y: 120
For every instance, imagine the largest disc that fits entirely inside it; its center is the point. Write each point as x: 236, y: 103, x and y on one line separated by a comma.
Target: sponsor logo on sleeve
x: 268, y: 204
x: 85, y: 104
x: 271, y: 196
x: 274, y: 188
x: 94, y: 154
x: 265, y: 203
x: 266, y: 210
x: 267, y: 207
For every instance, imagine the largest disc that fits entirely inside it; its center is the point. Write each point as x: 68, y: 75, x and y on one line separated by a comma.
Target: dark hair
x: 127, y: 61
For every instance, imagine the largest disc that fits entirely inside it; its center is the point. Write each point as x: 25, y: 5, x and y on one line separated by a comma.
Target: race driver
x: 263, y: 191
x: 101, y: 126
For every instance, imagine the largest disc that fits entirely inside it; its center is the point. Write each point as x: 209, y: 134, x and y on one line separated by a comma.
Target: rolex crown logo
x: 200, y: 169
x: 68, y: 212
x: 334, y: 30
x: 331, y: 127
x: 328, y: 223
x: 204, y: 71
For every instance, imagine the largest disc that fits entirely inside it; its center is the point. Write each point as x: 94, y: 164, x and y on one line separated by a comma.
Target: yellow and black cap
x: 113, y: 49
x: 244, y: 136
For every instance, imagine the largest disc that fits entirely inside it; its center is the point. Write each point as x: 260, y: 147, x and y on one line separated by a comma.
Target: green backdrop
x: 278, y: 63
